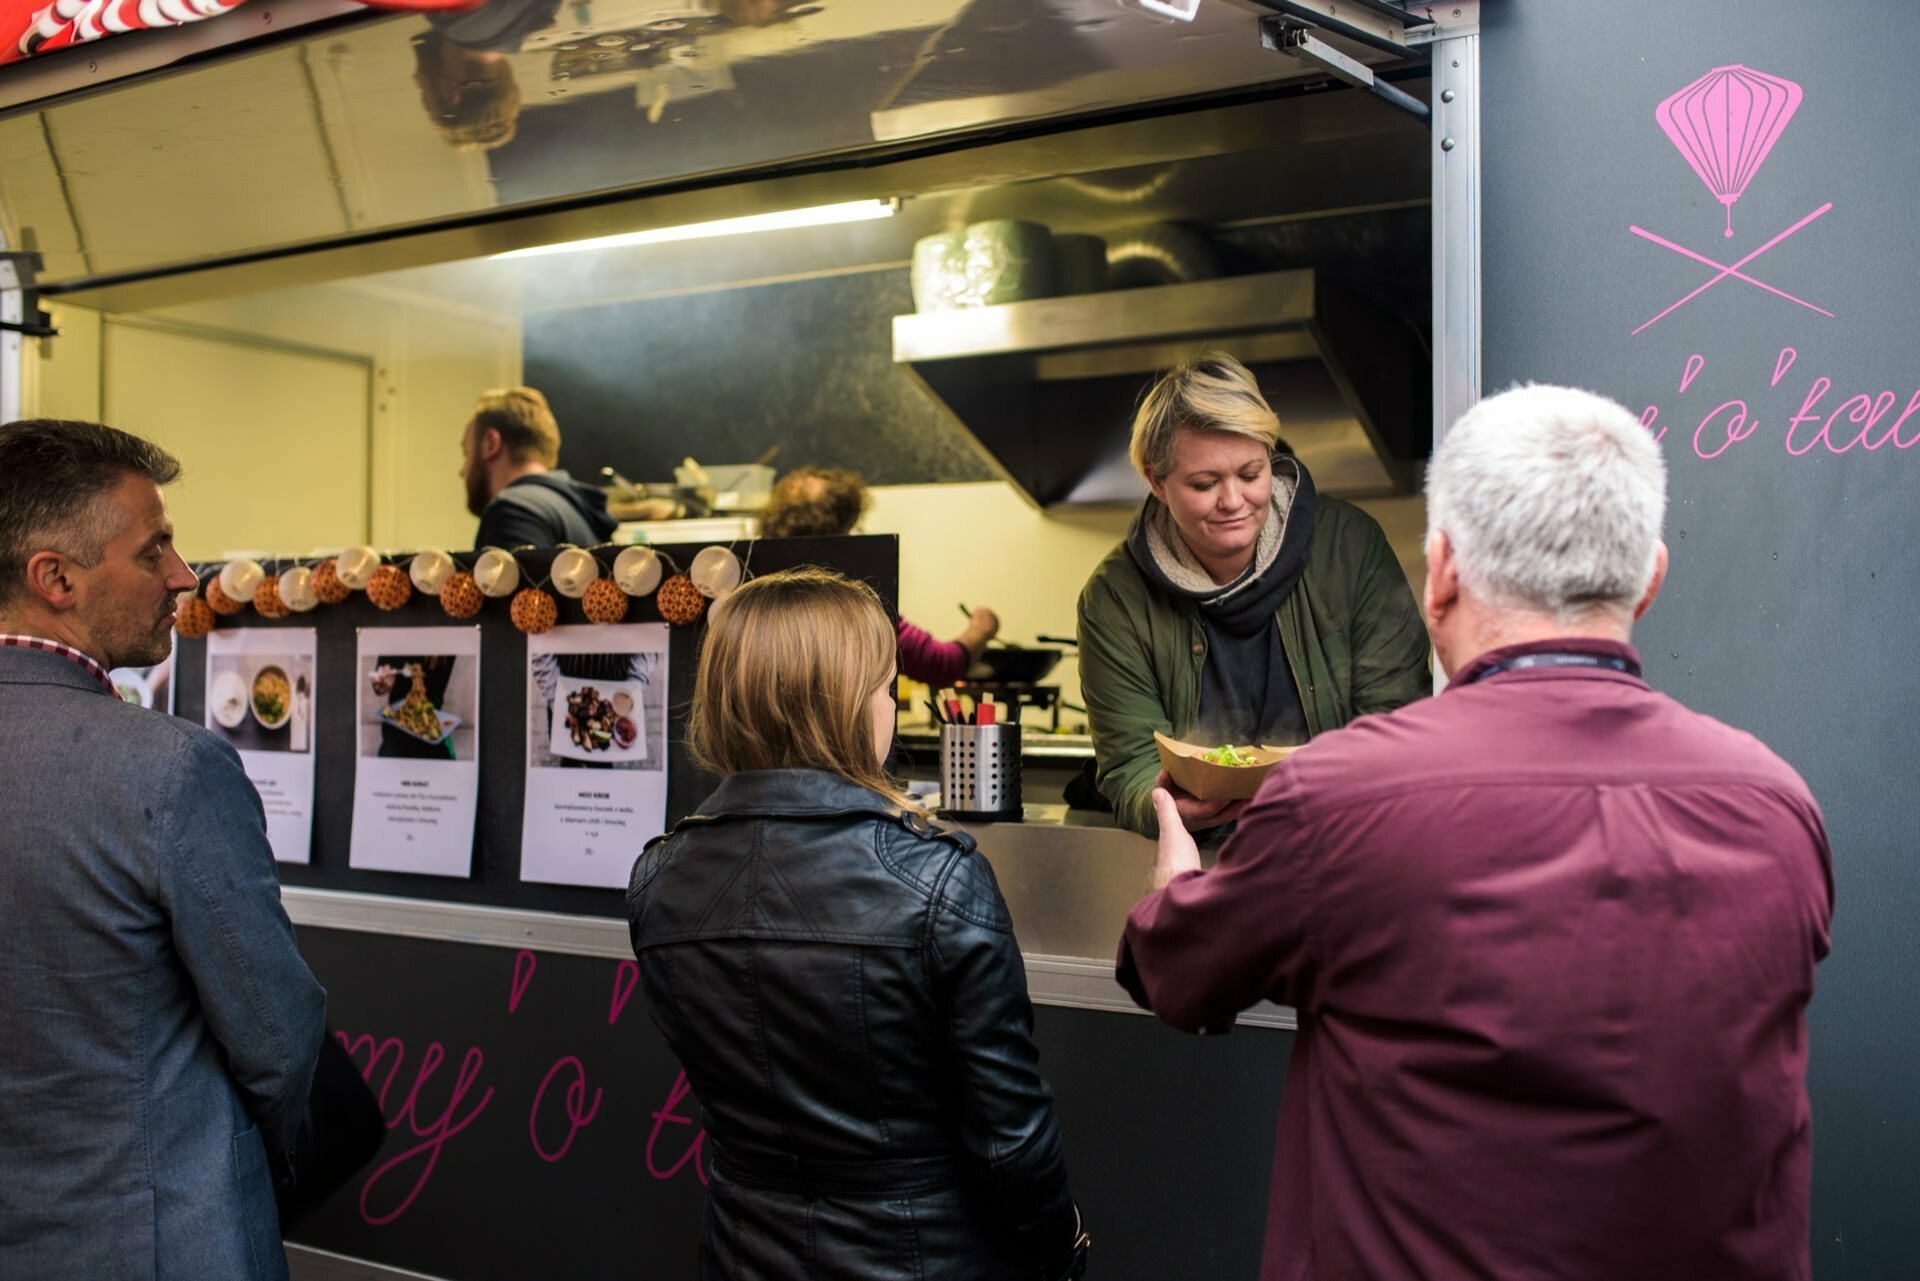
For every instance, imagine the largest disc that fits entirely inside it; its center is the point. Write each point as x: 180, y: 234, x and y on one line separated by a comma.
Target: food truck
x: 945, y: 243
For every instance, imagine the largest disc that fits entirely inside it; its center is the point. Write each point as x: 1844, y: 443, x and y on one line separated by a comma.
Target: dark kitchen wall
x: 1382, y: 255
x: 808, y: 364
x: 805, y: 364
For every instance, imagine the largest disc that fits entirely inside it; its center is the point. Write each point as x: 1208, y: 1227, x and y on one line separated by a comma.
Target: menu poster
x: 149, y: 687
x: 596, y: 752
x: 418, y: 729
x: 260, y: 698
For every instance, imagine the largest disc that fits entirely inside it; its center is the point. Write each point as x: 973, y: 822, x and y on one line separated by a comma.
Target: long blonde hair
x: 789, y: 666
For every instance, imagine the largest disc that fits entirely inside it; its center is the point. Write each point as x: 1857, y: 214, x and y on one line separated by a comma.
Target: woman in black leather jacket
x: 840, y: 980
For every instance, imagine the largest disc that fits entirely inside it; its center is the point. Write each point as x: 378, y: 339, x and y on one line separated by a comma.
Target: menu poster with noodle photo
x: 596, y: 752
x: 417, y: 779
x: 260, y: 698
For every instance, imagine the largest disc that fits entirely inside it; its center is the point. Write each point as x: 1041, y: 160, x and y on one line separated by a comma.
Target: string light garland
x: 327, y: 587
x: 267, y: 601
x: 221, y: 603
x: 389, y: 588
x: 193, y: 617
x: 296, y: 589
x: 603, y: 602
x: 534, y: 611
x: 460, y: 596
x: 605, y: 592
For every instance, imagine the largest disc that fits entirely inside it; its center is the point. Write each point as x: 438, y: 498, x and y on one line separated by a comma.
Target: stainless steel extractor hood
x: 1048, y: 388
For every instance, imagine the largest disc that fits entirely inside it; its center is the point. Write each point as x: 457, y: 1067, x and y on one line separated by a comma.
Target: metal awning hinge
x: 1288, y: 35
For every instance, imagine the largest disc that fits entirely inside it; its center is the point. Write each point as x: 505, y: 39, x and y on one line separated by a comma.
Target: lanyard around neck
x: 1529, y: 662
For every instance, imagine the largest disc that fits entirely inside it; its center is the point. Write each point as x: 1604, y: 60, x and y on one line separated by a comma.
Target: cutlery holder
x: 980, y: 773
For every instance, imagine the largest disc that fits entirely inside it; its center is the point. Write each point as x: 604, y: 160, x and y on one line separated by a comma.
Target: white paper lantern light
x: 430, y: 571
x: 496, y: 573
x: 296, y: 589
x: 637, y: 570
x: 573, y: 571
x: 716, y: 572
x: 355, y: 566
x: 239, y: 578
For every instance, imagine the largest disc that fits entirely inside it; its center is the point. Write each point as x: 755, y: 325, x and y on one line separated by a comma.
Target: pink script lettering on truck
x: 565, y: 1102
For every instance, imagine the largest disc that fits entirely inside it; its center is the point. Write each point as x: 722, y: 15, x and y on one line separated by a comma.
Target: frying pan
x: 1018, y: 664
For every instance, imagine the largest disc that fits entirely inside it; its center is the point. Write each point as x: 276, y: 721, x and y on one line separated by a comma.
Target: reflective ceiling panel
x: 410, y: 121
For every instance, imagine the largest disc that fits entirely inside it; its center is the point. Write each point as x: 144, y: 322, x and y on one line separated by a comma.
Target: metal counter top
x: 1034, y: 746
x: 1069, y: 879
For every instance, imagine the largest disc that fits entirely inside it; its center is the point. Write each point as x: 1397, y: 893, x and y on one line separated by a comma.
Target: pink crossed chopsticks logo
x: 1724, y: 124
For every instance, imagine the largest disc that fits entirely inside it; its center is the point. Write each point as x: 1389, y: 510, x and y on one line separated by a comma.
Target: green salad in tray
x: 1229, y: 755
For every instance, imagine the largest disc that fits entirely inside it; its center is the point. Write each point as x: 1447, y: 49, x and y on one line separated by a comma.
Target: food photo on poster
x: 149, y: 687
x: 418, y: 727
x: 596, y: 709
x: 419, y: 706
x: 261, y: 702
x: 261, y: 691
x: 596, y: 751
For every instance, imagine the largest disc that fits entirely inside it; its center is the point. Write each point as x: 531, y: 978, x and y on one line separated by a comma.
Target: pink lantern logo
x: 1725, y: 123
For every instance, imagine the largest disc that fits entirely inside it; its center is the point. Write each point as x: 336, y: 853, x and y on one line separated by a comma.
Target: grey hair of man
x: 1552, y: 499
x: 54, y: 475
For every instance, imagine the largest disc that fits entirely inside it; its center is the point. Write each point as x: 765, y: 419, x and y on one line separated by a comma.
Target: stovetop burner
x: 1044, y: 697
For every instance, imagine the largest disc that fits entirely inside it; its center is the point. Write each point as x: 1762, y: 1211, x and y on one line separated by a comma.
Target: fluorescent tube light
x: 1178, y: 10
x: 817, y: 216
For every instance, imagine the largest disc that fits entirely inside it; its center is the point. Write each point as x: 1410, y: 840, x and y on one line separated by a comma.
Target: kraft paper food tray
x: 1212, y: 782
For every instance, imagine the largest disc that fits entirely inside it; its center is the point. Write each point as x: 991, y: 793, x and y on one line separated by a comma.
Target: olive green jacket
x: 1352, y: 633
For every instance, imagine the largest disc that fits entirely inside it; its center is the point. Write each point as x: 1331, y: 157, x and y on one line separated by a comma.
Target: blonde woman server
x: 1242, y: 607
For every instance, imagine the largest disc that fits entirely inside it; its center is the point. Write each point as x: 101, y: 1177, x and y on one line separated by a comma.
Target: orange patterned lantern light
x: 534, y: 611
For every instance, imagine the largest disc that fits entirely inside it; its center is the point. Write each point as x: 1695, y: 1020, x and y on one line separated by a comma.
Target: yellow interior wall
x: 297, y: 479
x: 985, y: 545
x: 429, y: 356
x: 62, y: 379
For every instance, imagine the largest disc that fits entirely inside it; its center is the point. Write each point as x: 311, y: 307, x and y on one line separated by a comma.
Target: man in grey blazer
x: 158, y: 1029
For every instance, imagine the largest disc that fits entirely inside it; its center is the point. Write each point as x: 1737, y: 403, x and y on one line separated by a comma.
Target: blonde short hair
x: 787, y: 670
x: 1212, y: 392
x: 526, y: 425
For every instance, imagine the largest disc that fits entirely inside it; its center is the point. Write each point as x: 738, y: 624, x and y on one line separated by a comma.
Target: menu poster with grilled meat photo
x: 596, y: 752
x: 417, y: 779
x: 260, y: 698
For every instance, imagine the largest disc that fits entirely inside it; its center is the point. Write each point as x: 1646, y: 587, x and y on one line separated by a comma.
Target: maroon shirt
x: 923, y: 658
x: 1552, y: 937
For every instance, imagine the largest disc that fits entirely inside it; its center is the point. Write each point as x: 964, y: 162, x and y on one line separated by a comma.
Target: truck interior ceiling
x: 1247, y: 200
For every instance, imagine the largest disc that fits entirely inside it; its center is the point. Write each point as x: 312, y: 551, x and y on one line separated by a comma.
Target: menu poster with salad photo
x: 418, y: 727
x: 149, y: 687
x: 596, y: 752
x: 260, y: 698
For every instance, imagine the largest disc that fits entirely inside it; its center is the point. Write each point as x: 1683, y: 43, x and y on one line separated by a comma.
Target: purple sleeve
x: 1212, y: 943
x: 935, y: 662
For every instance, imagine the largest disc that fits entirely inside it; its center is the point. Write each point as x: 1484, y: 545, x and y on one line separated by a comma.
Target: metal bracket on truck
x: 17, y: 272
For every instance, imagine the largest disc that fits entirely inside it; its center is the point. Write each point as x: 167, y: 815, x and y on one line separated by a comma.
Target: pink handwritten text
x: 669, y: 1114
x: 523, y: 967
x: 433, y: 1133
x: 577, y: 1116
x: 1863, y: 421
x: 624, y: 979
